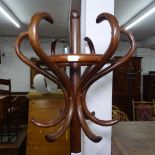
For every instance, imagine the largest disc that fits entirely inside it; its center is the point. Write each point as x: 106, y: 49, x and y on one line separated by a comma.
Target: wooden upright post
x: 75, y: 129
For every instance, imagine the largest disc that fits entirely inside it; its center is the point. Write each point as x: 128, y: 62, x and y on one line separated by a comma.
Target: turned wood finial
x: 75, y: 14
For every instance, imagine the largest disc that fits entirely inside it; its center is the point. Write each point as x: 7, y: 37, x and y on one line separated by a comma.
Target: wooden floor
x: 133, y: 138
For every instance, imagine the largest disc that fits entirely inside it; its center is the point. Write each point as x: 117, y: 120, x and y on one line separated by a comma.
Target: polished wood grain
x: 75, y: 74
x: 45, y: 108
x: 75, y: 87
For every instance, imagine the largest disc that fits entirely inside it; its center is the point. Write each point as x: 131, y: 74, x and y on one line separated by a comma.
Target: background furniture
x: 3, y: 114
x: 143, y: 110
x: 119, y: 115
x: 45, y: 107
x: 16, y: 148
x: 114, y: 107
x: 148, y: 87
x: 126, y: 85
x: 12, y: 135
x: 133, y: 138
x: 7, y: 133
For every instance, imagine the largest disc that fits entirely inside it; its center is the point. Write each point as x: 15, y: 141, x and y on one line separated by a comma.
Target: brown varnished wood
x: 35, y: 43
x: 82, y: 58
x: 46, y: 74
x: 90, y: 44
x: 75, y: 135
x: 75, y: 86
x: 45, y: 107
x: 53, y: 46
x: 115, y: 36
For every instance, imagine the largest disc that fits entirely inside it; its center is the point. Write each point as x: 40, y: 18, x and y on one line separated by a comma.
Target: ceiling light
x: 5, y: 11
x: 141, y: 16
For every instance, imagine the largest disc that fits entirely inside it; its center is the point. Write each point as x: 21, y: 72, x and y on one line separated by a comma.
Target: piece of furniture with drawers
x: 148, y: 87
x: 126, y: 85
x: 45, y: 108
x: 4, y: 100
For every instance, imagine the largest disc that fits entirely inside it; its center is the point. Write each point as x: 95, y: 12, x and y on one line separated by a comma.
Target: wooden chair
x: 114, y: 107
x: 5, y: 92
x: 120, y: 115
x: 8, y: 128
x: 143, y: 110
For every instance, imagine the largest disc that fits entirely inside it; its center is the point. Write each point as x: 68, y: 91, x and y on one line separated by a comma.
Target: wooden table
x: 133, y: 138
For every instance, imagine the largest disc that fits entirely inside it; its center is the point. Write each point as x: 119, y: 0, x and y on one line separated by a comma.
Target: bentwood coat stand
x: 76, y: 86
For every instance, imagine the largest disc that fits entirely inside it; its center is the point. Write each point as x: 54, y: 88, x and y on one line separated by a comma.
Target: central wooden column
x: 75, y: 129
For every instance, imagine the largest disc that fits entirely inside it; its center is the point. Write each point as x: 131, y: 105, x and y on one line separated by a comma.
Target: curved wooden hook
x: 94, y: 119
x: 47, y: 124
x: 49, y: 76
x: 64, y: 127
x: 90, y: 44
x: 53, y: 46
x: 115, y: 36
x: 92, y: 51
x: 83, y: 123
x: 116, y: 64
x: 34, y: 41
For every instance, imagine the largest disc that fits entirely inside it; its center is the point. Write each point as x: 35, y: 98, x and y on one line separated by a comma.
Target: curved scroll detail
x: 89, y: 115
x: 84, y: 86
x: 90, y: 44
x: 75, y: 98
x: 64, y: 127
x: 83, y: 123
x: 118, y: 63
x: 34, y: 41
x: 68, y: 106
x: 115, y: 36
x: 53, y: 46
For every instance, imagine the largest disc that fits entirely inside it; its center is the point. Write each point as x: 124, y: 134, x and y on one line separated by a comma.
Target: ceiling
x: 59, y: 10
x: 144, y: 32
x: 24, y: 9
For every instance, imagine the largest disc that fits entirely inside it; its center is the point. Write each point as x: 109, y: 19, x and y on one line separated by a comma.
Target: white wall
x: 147, y: 54
x: 99, y: 97
x: 13, y: 68
x: 148, y: 59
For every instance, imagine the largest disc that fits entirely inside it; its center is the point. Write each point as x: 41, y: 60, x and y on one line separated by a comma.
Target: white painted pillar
x: 99, y: 96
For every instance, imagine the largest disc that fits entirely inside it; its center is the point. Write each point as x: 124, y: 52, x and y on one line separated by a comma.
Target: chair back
x: 119, y: 115
x: 5, y: 87
x: 143, y: 110
x: 114, y: 107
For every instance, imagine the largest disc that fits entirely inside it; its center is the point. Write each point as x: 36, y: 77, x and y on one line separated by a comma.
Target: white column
x: 99, y: 96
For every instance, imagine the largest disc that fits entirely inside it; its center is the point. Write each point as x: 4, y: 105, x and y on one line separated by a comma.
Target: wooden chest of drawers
x: 45, y: 108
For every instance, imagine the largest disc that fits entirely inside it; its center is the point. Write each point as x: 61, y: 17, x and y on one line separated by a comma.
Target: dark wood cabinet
x: 148, y: 87
x: 126, y: 85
